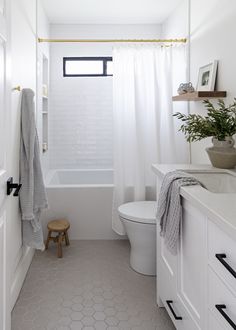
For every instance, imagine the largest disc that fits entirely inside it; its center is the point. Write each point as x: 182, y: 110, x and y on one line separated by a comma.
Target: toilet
x: 139, y: 220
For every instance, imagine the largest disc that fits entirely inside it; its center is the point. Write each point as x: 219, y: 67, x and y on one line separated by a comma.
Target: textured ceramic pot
x: 223, y: 153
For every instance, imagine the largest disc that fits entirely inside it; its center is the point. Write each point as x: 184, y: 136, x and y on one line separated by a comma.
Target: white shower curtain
x: 145, y: 131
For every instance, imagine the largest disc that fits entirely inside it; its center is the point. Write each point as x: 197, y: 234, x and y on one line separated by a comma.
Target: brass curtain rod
x: 183, y: 40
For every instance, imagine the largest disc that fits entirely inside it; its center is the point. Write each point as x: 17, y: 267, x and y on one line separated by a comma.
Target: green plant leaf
x: 219, y: 122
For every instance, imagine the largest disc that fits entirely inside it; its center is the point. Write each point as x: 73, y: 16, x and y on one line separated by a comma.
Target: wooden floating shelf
x: 199, y: 96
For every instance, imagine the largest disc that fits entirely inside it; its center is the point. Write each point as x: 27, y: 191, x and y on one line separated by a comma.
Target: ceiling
x: 108, y: 11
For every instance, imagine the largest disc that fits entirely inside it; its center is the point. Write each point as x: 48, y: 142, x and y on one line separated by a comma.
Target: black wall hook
x: 11, y: 186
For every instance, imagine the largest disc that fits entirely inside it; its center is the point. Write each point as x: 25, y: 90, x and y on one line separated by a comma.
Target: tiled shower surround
x: 80, y: 122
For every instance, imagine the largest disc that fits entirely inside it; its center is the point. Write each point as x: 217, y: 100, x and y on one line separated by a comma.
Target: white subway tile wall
x: 81, y: 123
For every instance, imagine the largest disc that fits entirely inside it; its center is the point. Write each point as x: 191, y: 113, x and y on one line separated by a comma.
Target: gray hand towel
x: 32, y: 194
x: 169, y: 211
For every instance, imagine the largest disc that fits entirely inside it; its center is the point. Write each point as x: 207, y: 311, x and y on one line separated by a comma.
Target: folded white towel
x: 169, y: 211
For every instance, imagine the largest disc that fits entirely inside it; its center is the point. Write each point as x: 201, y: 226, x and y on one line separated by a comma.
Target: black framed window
x: 87, y: 66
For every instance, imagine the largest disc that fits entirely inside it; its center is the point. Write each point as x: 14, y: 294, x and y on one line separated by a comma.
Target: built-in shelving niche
x: 45, y: 79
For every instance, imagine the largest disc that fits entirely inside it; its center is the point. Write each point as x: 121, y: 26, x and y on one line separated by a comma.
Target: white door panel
x: 3, y: 116
x: 2, y: 7
x: 4, y: 140
x: 23, y: 49
x: 23, y: 63
x: 3, y: 265
x: 3, y: 30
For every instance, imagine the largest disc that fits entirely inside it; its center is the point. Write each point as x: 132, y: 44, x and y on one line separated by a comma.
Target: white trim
x: 20, y: 274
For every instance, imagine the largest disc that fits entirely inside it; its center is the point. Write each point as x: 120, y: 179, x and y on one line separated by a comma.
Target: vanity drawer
x: 213, y: 323
x: 221, y: 301
x: 222, y: 255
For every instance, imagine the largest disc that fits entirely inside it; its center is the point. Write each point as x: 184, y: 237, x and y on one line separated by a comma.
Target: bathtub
x: 80, y: 177
x: 84, y: 197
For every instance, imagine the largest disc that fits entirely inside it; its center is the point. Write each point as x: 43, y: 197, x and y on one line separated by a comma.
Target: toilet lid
x: 143, y: 212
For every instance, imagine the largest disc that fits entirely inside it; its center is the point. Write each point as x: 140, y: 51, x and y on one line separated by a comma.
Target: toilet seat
x: 141, y: 212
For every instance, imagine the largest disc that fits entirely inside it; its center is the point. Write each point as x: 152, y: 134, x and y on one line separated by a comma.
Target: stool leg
x: 67, y: 238
x: 48, y: 240
x: 59, y: 246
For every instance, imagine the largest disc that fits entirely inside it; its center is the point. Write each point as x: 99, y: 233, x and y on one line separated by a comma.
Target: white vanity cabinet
x: 198, y: 285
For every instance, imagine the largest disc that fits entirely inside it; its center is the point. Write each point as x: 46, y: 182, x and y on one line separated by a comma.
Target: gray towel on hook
x: 32, y: 194
x: 169, y: 211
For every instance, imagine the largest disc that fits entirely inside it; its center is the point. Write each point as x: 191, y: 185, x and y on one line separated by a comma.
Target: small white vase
x: 223, y: 153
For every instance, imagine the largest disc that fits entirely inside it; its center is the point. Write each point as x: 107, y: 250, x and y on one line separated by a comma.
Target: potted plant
x: 220, y: 123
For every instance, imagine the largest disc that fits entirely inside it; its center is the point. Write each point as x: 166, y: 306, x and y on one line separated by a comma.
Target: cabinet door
x: 176, y: 309
x: 166, y: 266
x: 192, y: 263
x: 166, y: 272
x: 167, y: 292
x: 168, y: 261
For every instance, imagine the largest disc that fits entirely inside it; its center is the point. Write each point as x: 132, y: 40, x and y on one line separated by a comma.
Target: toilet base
x: 143, y: 263
x: 142, y: 239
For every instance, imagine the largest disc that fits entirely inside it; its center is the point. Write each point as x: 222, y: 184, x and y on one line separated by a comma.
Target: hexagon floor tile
x: 91, y: 287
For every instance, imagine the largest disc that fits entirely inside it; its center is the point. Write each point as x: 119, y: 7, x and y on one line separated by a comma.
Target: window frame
x: 104, y: 59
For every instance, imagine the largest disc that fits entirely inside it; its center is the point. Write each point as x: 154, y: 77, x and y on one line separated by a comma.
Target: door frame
x: 5, y: 34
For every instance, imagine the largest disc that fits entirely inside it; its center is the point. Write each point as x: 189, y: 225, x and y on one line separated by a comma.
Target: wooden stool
x: 60, y: 227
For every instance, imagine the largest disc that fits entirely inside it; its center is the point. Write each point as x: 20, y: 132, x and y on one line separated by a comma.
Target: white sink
x: 216, y: 182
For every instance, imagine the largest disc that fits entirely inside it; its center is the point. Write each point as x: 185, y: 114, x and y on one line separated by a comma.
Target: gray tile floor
x: 91, y: 287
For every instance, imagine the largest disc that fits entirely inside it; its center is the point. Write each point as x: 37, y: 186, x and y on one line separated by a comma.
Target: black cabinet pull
x: 11, y: 186
x: 221, y: 257
x: 169, y: 302
x: 220, y: 309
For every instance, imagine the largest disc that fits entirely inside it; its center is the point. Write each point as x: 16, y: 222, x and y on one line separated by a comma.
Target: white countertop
x: 218, y: 207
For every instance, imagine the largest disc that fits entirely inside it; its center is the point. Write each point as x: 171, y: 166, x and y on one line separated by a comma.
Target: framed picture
x: 207, y: 77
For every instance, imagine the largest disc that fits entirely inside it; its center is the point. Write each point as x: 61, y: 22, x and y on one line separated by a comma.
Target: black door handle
x: 11, y: 186
x: 220, y: 309
x: 169, y: 302
x: 16, y: 192
x: 221, y: 257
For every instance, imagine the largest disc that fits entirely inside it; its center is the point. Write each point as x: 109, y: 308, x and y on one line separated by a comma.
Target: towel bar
x: 17, y: 88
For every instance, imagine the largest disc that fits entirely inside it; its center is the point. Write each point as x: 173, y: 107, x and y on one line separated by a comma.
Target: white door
x: 4, y: 140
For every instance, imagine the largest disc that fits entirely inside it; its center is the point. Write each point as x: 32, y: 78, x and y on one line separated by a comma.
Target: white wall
x: 80, y: 130
x: 43, y: 49
x: 211, y: 30
x: 176, y: 25
x: 212, y: 38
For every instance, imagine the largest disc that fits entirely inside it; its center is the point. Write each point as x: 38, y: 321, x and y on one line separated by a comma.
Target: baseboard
x: 20, y: 274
